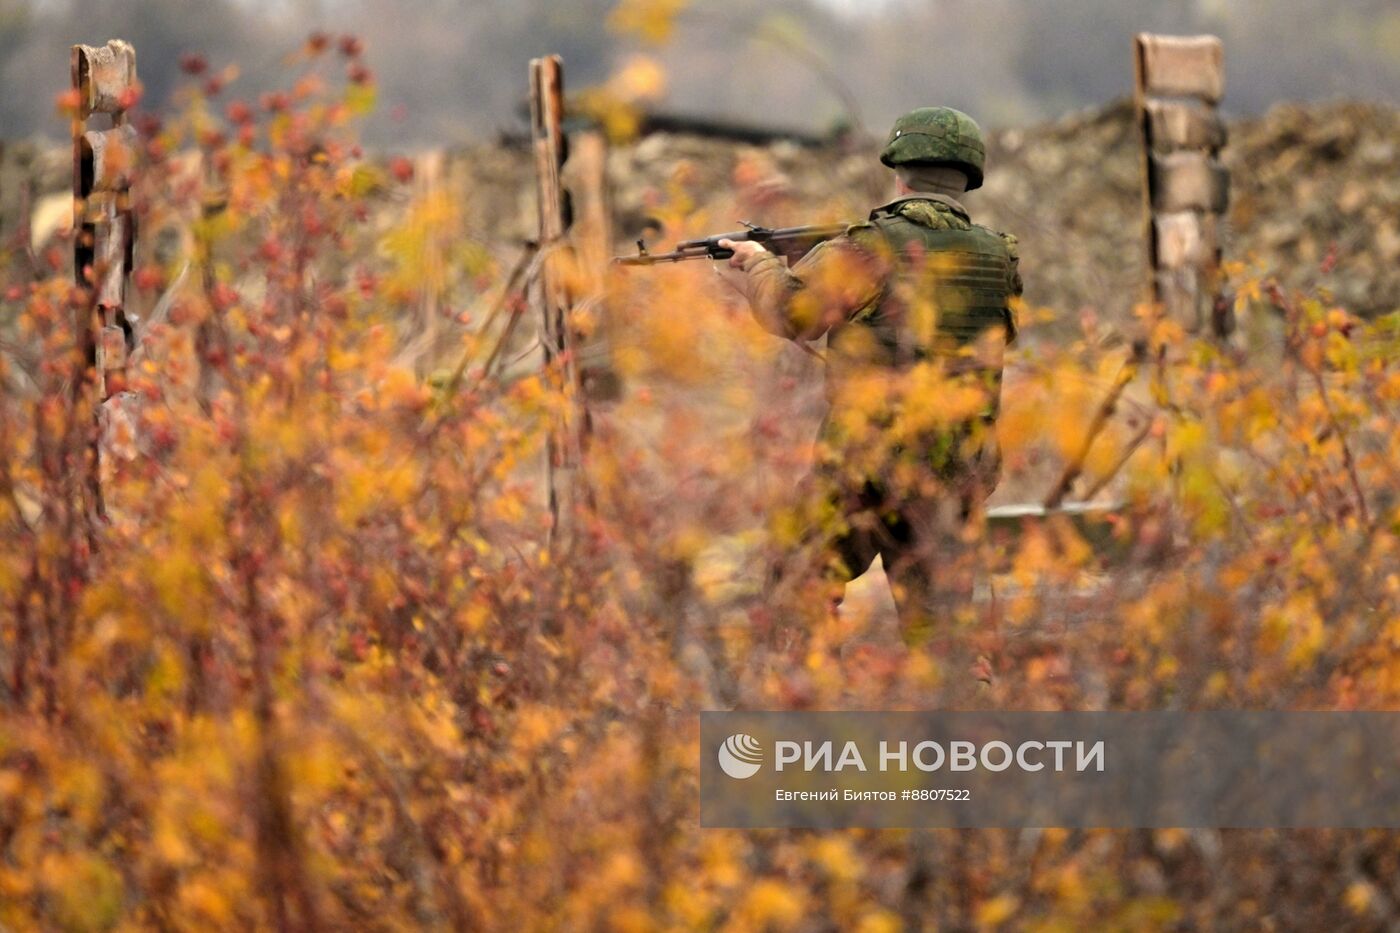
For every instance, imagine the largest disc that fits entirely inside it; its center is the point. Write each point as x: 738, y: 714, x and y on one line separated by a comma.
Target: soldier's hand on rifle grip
x: 743, y: 250
x: 732, y: 270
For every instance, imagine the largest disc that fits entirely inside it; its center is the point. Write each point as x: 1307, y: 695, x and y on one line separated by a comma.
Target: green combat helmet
x: 937, y: 134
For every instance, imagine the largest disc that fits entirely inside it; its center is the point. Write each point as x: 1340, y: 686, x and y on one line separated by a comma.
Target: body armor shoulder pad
x: 1012, y: 244
x: 865, y: 233
x: 929, y: 212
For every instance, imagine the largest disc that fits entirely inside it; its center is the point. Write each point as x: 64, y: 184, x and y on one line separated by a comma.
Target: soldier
x: 916, y: 307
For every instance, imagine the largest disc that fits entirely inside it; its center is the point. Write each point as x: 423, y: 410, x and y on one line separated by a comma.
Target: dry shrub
x: 319, y: 666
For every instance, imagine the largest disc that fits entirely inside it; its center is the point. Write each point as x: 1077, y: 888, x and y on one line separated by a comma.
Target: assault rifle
x: 790, y: 242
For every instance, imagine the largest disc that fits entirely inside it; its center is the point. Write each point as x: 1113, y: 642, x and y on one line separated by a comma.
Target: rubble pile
x: 1315, y: 197
x: 36, y: 183
x: 1071, y: 191
x: 1320, y: 181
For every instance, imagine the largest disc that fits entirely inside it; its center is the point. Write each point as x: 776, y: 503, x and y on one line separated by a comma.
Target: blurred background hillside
x: 452, y: 70
x: 1311, y: 100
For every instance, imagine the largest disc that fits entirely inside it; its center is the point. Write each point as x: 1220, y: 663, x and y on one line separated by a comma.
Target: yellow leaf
x: 998, y: 910
x: 651, y: 20
x: 1358, y: 897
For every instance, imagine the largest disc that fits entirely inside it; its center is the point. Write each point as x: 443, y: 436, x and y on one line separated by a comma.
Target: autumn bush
x: 313, y: 660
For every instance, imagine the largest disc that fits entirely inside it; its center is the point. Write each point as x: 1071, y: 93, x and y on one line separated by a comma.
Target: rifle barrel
x: 801, y: 238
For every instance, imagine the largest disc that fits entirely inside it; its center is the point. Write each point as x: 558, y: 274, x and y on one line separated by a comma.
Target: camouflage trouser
x: 920, y: 535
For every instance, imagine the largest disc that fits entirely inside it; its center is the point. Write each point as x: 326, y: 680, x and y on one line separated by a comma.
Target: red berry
x: 276, y: 102
x: 147, y: 278
x: 192, y: 64
x: 402, y: 169
x: 239, y: 112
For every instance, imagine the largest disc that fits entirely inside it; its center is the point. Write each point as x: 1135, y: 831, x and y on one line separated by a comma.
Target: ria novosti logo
x: 740, y: 756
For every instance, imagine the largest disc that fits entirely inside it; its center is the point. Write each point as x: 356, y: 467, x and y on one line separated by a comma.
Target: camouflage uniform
x: 915, y: 304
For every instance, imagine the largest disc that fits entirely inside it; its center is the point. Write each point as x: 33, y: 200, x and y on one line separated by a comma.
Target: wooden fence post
x: 564, y: 443
x: 104, y: 78
x: 1179, y: 81
x: 429, y: 180
x: 591, y: 237
x: 567, y: 275
x: 104, y: 233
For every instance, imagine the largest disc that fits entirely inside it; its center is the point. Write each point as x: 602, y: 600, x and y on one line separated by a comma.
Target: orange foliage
x: 319, y: 666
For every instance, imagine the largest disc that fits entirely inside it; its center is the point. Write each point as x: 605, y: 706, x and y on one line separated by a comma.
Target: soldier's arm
x: 829, y: 285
